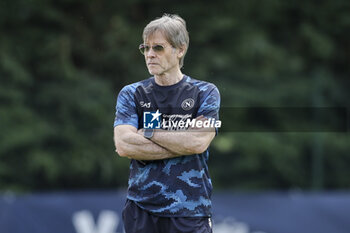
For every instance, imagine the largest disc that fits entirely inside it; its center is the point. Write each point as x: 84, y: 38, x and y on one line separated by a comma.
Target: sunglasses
x: 156, y: 48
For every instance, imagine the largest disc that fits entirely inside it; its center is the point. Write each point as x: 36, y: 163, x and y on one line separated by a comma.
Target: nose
x: 151, y: 53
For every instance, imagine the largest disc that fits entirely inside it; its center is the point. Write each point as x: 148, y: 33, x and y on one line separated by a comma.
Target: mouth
x: 152, y: 64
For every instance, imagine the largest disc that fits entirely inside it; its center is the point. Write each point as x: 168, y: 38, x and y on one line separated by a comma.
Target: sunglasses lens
x: 158, y: 48
x: 142, y: 48
x: 145, y: 48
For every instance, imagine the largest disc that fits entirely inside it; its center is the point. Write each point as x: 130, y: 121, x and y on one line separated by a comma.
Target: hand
x: 199, y: 118
x: 140, y: 131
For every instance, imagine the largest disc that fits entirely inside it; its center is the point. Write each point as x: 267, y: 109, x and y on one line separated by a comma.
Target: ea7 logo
x: 187, y: 104
x: 145, y: 105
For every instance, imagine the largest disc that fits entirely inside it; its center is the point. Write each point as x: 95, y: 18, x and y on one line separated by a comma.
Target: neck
x: 167, y: 79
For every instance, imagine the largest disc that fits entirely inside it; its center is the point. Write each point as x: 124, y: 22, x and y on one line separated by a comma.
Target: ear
x: 182, y: 51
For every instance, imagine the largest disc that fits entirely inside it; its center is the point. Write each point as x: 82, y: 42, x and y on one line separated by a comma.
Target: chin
x: 154, y: 72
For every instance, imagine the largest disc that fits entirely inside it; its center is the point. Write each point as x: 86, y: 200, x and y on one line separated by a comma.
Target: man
x: 169, y: 185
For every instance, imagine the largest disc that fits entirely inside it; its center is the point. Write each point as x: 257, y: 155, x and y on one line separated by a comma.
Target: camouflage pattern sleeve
x: 210, y: 101
x: 126, y: 107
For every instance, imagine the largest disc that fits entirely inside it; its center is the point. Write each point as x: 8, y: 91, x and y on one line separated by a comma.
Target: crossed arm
x: 129, y: 142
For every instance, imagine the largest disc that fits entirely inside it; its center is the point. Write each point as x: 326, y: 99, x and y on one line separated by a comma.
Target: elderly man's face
x: 160, y: 56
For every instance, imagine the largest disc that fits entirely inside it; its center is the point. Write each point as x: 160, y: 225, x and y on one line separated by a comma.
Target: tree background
x: 62, y: 64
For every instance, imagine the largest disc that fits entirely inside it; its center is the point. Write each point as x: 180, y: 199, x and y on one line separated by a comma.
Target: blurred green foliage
x: 62, y: 64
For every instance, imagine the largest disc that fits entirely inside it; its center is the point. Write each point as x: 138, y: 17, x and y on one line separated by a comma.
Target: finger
x: 200, y: 117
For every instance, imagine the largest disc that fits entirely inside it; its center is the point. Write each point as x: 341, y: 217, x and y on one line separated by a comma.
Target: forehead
x: 156, y: 37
